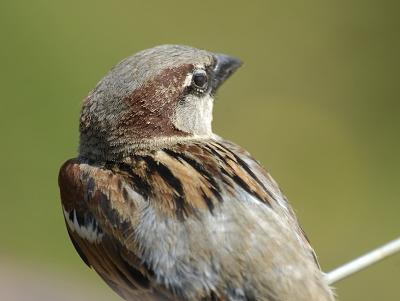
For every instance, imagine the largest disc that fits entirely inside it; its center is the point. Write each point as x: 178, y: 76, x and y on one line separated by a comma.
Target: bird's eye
x: 200, y: 80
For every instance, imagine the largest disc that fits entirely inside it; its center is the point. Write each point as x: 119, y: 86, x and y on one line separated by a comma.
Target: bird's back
x: 199, y: 220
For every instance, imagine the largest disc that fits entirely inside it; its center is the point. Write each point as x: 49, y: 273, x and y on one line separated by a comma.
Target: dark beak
x: 225, y: 66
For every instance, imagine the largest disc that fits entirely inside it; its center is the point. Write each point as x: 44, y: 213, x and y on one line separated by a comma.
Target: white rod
x: 364, y: 261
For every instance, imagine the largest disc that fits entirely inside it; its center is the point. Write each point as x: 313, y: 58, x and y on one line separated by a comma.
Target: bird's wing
x: 244, y: 159
x: 134, y: 221
x: 100, y: 220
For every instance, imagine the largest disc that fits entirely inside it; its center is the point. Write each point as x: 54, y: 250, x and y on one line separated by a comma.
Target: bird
x: 162, y: 208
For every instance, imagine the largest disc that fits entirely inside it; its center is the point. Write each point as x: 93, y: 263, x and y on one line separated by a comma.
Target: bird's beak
x: 225, y: 66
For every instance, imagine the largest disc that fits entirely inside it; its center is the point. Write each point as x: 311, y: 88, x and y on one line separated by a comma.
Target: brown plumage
x: 162, y: 208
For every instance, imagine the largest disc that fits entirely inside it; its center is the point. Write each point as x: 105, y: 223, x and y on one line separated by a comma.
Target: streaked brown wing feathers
x: 240, y: 154
x: 86, y: 190
x: 178, y: 182
x: 119, y: 271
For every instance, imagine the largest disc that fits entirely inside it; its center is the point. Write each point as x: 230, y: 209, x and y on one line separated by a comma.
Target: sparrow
x: 164, y: 209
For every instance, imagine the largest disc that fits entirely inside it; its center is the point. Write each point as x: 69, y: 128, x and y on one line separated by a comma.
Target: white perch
x: 363, y: 262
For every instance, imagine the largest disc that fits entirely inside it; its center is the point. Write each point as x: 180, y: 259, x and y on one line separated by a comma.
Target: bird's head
x: 153, y: 98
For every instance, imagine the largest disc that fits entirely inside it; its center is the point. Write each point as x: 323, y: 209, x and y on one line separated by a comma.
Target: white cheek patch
x: 90, y: 231
x: 194, y: 115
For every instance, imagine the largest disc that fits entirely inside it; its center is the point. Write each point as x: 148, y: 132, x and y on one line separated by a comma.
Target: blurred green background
x: 317, y: 102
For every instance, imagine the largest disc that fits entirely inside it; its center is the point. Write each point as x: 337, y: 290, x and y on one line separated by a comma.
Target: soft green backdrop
x: 317, y: 102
